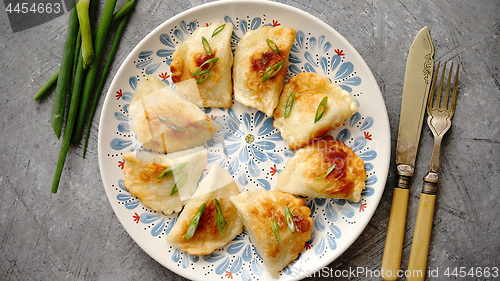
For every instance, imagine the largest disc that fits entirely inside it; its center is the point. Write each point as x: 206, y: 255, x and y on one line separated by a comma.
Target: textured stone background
x: 75, y: 235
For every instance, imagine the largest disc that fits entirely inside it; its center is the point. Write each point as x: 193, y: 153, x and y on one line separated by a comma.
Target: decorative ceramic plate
x: 249, y: 147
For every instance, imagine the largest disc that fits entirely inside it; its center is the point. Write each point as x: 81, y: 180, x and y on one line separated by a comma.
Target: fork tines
x: 436, y: 103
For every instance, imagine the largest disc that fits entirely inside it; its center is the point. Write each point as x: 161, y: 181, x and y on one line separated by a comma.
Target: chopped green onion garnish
x: 289, y: 104
x: 272, y: 71
x: 273, y: 46
x: 170, y: 123
x: 327, y: 172
x: 276, y: 230
x: 199, y: 70
x: 221, y: 222
x: 202, y: 72
x: 194, y: 222
x: 170, y: 171
x: 218, y: 30
x: 289, y: 219
x: 206, y: 46
x: 179, y: 184
x: 321, y: 109
x: 202, y: 77
x: 263, y: 59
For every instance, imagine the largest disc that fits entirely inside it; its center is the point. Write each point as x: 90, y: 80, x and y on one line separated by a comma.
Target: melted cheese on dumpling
x: 165, y: 121
x: 207, y: 237
x: 309, y: 172
x: 252, y: 58
x: 299, y: 128
x: 190, y: 54
x: 143, y: 168
x: 259, y: 209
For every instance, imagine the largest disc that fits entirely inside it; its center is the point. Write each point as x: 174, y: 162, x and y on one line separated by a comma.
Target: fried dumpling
x: 300, y: 127
x: 264, y: 215
x: 189, y: 89
x: 258, y: 55
x: 326, y: 168
x: 142, y: 170
x: 165, y: 121
x: 215, y: 89
x: 146, y: 86
x: 208, y: 237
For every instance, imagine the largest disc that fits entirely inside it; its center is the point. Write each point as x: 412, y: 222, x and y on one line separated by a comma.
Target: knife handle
x: 423, y: 226
x: 393, y: 250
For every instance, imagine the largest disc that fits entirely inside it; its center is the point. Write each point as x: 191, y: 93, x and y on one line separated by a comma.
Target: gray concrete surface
x: 74, y: 234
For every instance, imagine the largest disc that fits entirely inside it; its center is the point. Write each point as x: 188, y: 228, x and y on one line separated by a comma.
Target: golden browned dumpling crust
x: 299, y: 128
x: 252, y: 58
x: 207, y: 237
x: 259, y: 209
x: 308, y: 173
x: 142, y: 169
x: 216, y: 90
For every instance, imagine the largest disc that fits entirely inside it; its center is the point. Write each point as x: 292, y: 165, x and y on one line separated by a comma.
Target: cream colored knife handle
x: 421, y: 237
x: 391, y: 261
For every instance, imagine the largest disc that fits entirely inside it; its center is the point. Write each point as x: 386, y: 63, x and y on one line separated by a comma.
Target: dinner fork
x: 439, y: 121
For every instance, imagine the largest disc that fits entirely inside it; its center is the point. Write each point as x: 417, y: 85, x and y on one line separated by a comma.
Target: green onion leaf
x: 179, y: 184
x: 194, y: 222
x: 273, y: 46
x: 263, y: 59
x: 276, y: 230
x: 199, y: 70
x: 289, y: 219
x: 289, y: 104
x: 170, y: 123
x: 221, y: 222
x: 218, y: 30
x: 272, y: 71
x: 170, y: 171
x: 321, y: 109
x: 206, y: 45
x: 327, y: 172
x: 202, y: 77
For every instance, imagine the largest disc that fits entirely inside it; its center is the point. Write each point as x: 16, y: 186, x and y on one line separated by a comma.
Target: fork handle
x: 423, y: 226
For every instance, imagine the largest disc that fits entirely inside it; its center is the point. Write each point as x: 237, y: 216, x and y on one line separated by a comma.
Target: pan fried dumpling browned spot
x: 165, y: 121
x: 259, y: 209
x: 299, y: 127
x: 309, y: 172
x: 207, y: 237
x: 253, y: 57
x: 143, y: 168
x: 190, y: 54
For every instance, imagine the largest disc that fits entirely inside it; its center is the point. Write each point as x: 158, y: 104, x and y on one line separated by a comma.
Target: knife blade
x: 418, y: 76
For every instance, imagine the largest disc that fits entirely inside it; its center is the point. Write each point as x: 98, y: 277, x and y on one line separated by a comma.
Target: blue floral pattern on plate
x: 251, y: 149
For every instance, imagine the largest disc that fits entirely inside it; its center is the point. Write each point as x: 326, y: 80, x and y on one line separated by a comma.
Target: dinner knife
x: 418, y: 76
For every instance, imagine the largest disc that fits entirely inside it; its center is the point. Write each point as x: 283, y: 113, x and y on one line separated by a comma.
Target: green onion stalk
x: 102, y: 32
x: 116, y: 18
x: 82, y: 8
x: 46, y: 86
x: 76, y: 90
x: 65, y: 73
